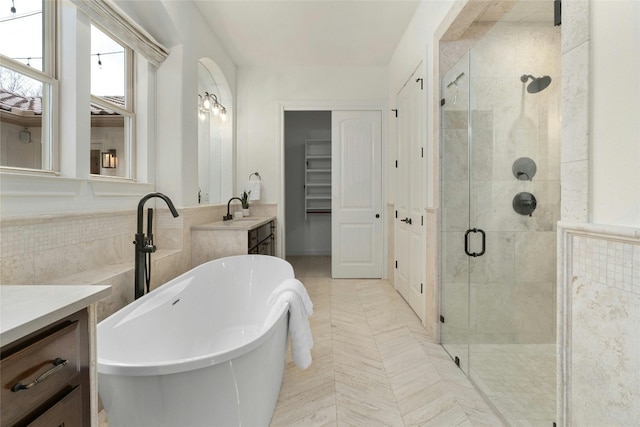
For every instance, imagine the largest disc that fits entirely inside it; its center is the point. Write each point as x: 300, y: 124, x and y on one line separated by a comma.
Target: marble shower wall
x: 513, y: 292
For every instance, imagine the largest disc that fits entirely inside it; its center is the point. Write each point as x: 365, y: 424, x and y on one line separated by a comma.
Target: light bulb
x: 202, y: 115
x: 206, y: 102
x: 223, y: 115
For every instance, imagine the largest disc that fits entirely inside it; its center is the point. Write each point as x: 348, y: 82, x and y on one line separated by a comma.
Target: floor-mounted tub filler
x: 205, y: 349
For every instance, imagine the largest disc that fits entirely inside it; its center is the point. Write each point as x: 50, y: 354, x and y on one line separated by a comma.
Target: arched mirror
x: 214, y: 134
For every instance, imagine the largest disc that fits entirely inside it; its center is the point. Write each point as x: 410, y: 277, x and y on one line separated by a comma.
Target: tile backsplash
x: 37, y: 249
x: 97, y: 248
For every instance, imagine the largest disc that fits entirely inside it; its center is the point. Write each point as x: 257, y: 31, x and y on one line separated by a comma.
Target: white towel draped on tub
x: 293, y: 292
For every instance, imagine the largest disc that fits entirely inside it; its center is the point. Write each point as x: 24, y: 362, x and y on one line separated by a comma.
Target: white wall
x: 262, y: 90
x: 14, y: 152
x: 415, y: 47
x: 177, y: 101
x: 615, y: 113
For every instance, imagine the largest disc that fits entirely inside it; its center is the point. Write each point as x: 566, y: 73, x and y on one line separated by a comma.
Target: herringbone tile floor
x: 373, y: 365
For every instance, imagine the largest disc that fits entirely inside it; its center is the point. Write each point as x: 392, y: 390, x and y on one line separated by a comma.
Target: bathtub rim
x: 114, y: 367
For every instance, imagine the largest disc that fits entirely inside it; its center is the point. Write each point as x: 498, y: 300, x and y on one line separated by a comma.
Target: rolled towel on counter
x: 293, y: 293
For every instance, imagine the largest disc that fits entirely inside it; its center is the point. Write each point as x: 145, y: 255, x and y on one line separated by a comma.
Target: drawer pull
x: 58, y: 364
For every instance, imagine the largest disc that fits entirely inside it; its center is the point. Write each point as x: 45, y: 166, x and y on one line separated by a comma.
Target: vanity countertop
x: 25, y: 309
x: 247, y: 223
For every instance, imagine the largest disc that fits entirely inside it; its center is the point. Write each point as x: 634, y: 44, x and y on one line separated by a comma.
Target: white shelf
x: 317, y: 179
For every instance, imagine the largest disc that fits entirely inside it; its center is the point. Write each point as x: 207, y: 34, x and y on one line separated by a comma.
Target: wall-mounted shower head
x: 538, y: 84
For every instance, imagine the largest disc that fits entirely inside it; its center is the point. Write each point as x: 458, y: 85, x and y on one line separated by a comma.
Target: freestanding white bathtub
x: 196, y: 351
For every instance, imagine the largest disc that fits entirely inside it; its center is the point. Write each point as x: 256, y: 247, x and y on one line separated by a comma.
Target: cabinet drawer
x: 66, y: 412
x: 38, y: 361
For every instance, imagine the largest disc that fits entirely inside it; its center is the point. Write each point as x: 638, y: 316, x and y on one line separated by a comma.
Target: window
x: 112, y: 117
x: 28, y: 88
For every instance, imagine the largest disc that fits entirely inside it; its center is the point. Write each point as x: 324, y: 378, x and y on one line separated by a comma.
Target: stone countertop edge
x: 247, y: 223
x: 27, y: 308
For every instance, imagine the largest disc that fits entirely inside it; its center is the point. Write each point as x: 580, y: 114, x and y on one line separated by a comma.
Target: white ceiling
x: 309, y: 32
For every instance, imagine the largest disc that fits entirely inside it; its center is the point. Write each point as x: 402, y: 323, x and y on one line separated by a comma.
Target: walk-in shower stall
x: 500, y: 202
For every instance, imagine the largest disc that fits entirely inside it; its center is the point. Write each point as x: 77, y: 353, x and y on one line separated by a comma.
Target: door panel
x: 402, y: 273
x: 409, y: 228
x: 356, y: 185
x: 401, y: 232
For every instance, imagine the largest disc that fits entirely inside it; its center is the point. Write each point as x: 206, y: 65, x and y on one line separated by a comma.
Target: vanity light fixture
x: 109, y: 159
x: 209, y: 104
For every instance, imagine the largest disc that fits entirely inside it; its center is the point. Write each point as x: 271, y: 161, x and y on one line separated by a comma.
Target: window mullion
x: 26, y: 70
x: 50, y: 38
x: 111, y: 106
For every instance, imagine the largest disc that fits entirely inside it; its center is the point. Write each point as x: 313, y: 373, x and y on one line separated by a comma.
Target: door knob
x: 407, y: 220
x: 377, y: 215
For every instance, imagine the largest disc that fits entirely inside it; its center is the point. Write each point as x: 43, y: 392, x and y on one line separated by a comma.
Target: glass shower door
x: 500, y: 202
x: 513, y: 210
x: 454, y: 201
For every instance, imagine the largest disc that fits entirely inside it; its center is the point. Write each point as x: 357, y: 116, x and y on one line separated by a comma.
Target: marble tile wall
x: 576, y: 77
x: 600, y: 325
x: 96, y: 248
x: 37, y: 249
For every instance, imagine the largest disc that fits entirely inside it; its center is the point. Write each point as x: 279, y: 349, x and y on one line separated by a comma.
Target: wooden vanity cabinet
x: 45, y: 376
x: 262, y: 239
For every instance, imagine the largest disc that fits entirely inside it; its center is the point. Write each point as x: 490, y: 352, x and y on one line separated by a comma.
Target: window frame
x: 65, y: 187
x: 128, y: 112
x: 49, y: 75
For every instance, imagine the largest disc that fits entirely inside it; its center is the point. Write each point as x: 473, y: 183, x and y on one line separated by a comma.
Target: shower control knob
x: 524, y: 203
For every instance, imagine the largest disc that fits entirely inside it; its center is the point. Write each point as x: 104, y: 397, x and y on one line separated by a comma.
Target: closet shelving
x: 317, y: 177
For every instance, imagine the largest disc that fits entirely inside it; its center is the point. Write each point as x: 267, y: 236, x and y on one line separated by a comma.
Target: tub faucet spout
x: 228, y: 216
x: 144, y: 244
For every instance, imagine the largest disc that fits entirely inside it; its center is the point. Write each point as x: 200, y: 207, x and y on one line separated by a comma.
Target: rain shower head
x: 538, y: 84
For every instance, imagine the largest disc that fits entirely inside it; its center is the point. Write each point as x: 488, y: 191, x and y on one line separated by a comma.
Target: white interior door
x: 356, y: 187
x: 409, y: 233
x: 403, y: 205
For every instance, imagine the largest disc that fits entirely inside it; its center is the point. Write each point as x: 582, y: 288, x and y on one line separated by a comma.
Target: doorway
x: 332, y: 188
x: 307, y: 153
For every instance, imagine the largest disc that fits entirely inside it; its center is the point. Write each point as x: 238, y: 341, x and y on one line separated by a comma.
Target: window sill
x: 103, y: 186
x: 34, y: 183
x: 23, y: 183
